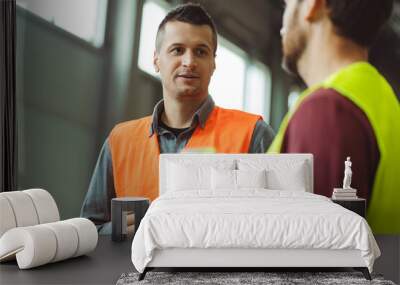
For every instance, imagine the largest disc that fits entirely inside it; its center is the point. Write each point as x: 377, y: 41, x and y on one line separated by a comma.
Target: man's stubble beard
x: 294, y: 44
x: 188, y: 93
x: 295, y: 47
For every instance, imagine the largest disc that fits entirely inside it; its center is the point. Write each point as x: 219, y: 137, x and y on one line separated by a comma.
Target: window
x: 258, y: 90
x: 227, y: 83
x: 294, y: 94
x: 153, y: 13
x: 239, y: 82
x: 88, y: 20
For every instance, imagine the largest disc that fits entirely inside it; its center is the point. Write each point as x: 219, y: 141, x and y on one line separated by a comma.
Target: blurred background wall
x: 83, y: 66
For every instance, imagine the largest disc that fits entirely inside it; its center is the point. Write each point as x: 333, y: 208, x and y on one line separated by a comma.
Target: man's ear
x: 156, y: 60
x: 213, y: 64
x: 314, y: 9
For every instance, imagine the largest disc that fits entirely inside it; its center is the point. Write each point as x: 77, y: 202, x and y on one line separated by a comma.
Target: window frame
x: 99, y: 40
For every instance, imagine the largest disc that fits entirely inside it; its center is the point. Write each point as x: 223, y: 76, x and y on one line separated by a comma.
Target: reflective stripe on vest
x: 362, y: 84
x: 135, y: 154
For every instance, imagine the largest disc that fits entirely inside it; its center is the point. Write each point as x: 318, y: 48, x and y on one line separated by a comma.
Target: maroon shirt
x: 332, y: 127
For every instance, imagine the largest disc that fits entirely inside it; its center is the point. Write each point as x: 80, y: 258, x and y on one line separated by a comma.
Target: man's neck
x: 326, y: 54
x: 179, y: 114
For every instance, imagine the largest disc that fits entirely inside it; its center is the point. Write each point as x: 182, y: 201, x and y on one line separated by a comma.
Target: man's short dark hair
x: 190, y: 13
x: 359, y: 20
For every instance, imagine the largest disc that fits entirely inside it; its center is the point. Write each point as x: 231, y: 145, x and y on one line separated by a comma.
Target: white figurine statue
x: 347, y: 174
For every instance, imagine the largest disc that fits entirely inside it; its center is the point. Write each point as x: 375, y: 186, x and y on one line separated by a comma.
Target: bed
x: 246, y: 211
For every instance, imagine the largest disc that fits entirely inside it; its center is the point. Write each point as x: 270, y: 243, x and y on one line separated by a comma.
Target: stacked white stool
x: 31, y: 230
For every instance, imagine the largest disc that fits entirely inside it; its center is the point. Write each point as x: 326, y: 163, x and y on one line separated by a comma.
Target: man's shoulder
x: 327, y: 99
x: 326, y: 108
x: 237, y: 114
x: 325, y: 95
x: 128, y: 127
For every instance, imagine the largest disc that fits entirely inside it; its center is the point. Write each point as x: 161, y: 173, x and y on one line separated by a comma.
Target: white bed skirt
x: 192, y: 257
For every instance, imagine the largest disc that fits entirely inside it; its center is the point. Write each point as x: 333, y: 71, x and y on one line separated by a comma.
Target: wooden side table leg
x: 364, y: 271
x: 142, y: 275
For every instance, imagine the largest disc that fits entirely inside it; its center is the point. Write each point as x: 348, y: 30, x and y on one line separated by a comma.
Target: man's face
x: 185, y: 60
x: 294, y: 36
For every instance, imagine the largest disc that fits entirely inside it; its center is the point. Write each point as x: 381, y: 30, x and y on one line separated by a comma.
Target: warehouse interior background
x: 83, y: 66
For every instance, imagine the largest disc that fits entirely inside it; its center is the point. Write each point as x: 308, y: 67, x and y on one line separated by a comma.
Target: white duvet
x: 252, y: 218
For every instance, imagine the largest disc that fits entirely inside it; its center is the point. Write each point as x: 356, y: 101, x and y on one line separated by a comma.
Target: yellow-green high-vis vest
x: 362, y: 84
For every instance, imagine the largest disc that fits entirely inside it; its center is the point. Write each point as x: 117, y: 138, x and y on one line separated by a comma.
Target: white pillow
x: 251, y: 178
x: 236, y: 179
x: 182, y: 177
x: 280, y: 174
x: 223, y: 179
x: 293, y: 179
x: 186, y: 174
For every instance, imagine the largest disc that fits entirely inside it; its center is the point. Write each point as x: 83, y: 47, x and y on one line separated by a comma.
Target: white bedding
x: 251, y: 218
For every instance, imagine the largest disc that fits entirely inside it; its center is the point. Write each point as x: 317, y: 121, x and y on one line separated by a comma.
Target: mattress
x: 250, y: 219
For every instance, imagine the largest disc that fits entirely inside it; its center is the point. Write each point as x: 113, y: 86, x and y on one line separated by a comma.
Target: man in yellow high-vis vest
x: 349, y: 109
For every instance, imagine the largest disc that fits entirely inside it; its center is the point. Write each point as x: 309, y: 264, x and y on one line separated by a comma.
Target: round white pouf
x: 67, y: 240
x: 40, y: 244
x: 33, y: 246
x: 23, y: 208
x: 7, y: 218
x: 45, y: 205
x: 87, y: 234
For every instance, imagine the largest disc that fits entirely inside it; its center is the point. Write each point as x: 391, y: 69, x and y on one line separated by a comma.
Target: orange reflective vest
x: 135, y: 154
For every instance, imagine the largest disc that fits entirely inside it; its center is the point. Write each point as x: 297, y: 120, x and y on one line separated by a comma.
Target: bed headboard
x: 285, y: 163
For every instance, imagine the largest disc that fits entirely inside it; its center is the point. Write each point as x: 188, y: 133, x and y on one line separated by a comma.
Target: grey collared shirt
x: 96, y: 205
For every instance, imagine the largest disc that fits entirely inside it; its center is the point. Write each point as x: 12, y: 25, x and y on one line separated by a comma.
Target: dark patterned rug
x: 229, y: 278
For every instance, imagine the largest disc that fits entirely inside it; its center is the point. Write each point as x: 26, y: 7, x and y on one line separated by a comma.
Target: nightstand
x: 357, y: 205
x: 122, y: 210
